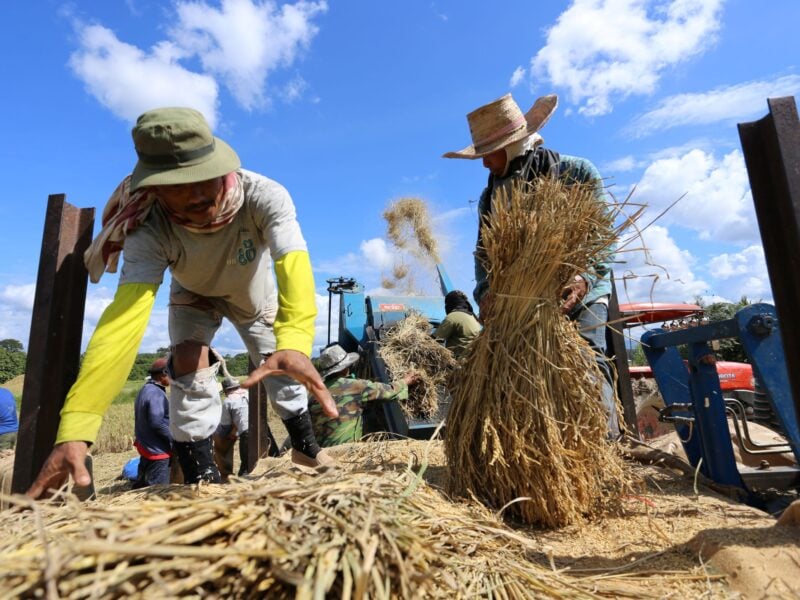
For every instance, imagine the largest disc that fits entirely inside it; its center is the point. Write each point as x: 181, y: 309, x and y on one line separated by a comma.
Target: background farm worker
x: 151, y: 422
x: 507, y: 141
x: 189, y: 207
x: 460, y: 327
x: 350, y: 395
x: 232, y: 426
x: 9, y: 424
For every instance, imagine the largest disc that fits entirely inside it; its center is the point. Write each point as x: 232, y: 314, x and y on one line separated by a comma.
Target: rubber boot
x: 197, y: 461
x: 305, y: 450
x: 243, y: 453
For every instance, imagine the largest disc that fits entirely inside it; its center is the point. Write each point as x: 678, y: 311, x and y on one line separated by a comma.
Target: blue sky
x: 351, y: 104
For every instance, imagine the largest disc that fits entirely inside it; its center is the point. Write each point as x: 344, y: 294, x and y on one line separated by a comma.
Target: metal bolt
x: 761, y: 325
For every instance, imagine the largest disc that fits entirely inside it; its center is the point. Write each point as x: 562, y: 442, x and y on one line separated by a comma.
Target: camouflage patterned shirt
x: 350, y: 396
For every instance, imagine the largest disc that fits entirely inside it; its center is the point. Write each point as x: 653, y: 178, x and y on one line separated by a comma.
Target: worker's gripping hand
x: 573, y: 293
x: 67, y: 458
x: 298, y: 366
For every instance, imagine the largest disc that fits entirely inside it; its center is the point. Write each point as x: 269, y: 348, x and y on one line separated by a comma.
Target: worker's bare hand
x: 411, y: 377
x: 573, y: 293
x: 297, y: 366
x: 67, y: 458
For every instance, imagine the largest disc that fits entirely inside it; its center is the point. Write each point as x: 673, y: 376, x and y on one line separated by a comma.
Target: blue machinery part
x: 694, y: 401
x: 362, y: 319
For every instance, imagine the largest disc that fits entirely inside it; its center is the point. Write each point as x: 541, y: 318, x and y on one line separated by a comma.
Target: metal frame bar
x: 617, y: 351
x: 54, y: 347
x: 771, y: 148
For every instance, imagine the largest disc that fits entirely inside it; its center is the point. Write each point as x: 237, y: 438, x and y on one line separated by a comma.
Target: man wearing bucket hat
x: 189, y: 207
x: 350, y: 394
x: 508, y: 142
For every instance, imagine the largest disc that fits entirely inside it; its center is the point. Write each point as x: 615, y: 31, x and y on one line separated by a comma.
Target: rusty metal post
x: 54, y: 347
x: 260, y: 442
x: 771, y: 148
x: 617, y: 351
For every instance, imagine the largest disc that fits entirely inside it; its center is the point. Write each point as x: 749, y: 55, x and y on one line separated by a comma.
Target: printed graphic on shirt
x: 247, y: 253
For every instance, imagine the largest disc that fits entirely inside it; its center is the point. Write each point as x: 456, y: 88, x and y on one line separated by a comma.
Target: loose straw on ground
x: 408, y: 346
x: 284, y: 534
x: 526, y: 429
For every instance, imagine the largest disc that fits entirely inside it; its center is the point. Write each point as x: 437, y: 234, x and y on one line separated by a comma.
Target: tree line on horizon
x: 13, y: 359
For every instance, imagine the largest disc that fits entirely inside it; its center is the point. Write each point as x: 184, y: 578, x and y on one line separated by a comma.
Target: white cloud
x: 731, y: 103
x: 620, y: 165
x: 129, y: 81
x: 243, y: 41
x: 656, y: 269
x: 742, y: 273
x: 716, y: 195
x: 516, y: 77
x: 601, y: 50
x: 240, y: 44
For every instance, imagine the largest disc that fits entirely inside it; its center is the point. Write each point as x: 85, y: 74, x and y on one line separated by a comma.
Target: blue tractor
x: 363, y: 321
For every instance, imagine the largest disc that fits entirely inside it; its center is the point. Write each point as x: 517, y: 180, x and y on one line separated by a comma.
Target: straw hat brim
x: 536, y: 118
x: 221, y: 161
x: 347, y: 361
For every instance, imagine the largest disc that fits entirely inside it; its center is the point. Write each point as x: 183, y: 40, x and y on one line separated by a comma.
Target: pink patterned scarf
x: 124, y: 212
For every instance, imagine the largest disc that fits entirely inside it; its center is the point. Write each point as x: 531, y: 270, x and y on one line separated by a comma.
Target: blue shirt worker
x: 508, y: 142
x: 8, y: 420
x: 153, y: 439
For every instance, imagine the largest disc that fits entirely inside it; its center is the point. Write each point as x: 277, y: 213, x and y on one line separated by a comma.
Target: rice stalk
x: 526, y: 421
x: 284, y: 534
x: 408, y: 346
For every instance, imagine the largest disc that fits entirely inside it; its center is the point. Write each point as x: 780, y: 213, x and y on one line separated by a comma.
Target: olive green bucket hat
x: 175, y: 146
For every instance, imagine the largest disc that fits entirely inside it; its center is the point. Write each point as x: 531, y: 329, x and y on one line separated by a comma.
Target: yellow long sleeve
x: 297, y: 305
x: 107, y: 363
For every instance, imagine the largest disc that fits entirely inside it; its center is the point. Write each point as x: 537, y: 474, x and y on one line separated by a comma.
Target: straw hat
x: 333, y: 359
x: 496, y: 125
x: 175, y: 146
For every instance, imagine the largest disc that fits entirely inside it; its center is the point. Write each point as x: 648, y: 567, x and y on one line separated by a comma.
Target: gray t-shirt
x: 232, y: 267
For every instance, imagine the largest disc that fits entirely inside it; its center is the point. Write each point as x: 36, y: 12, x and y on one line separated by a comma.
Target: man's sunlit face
x: 196, y: 202
x: 496, y: 162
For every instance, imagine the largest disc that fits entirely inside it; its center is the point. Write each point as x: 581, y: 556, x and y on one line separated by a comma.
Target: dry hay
x: 115, y: 547
x: 342, y: 533
x: 408, y: 220
x: 408, y: 229
x: 287, y: 534
x: 408, y: 346
x: 526, y: 428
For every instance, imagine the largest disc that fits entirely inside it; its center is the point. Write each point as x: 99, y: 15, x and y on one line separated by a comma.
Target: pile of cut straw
x: 408, y: 346
x: 526, y: 428
x: 283, y: 535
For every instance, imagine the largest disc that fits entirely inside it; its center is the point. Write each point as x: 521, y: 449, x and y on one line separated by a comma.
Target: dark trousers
x: 152, y: 472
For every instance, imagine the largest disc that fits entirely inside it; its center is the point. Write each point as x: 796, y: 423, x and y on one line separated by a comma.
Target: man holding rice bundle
x: 189, y: 207
x: 508, y: 142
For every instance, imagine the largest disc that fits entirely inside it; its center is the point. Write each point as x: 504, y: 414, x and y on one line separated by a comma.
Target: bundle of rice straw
x: 526, y: 421
x: 408, y: 346
x: 283, y: 535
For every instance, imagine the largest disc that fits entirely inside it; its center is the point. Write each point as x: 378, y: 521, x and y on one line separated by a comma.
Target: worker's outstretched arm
x: 105, y: 368
x: 294, y: 329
